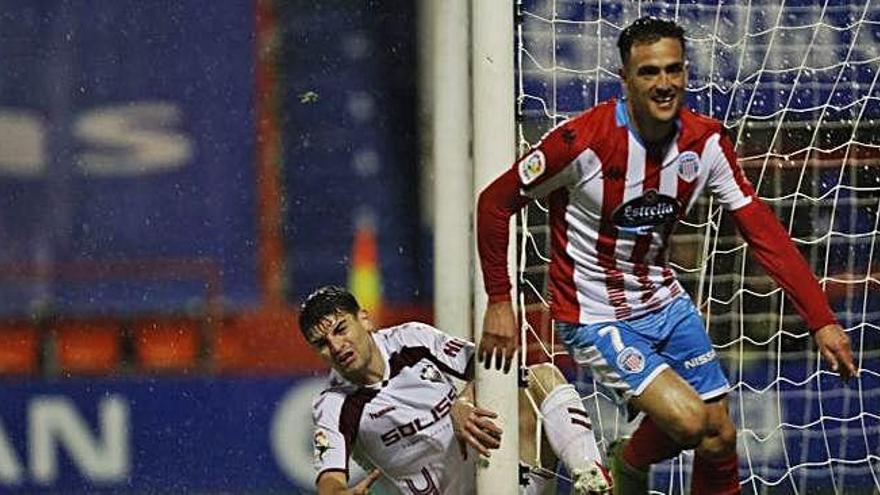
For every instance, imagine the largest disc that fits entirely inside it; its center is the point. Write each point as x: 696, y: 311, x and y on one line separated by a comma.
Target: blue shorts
x: 625, y: 356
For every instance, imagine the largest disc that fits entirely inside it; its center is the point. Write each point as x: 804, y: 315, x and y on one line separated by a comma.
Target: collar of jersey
x: 622, y: 118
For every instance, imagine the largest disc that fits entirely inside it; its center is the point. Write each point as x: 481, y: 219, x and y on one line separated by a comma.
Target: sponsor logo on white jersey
x: 646, y: 211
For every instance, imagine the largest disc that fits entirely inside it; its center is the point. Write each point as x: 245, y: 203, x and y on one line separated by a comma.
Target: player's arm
x: 772, y: 246
x: 336, y: 483
x: 331, y: 448
x: 546, y: 167
x: 775, y: 251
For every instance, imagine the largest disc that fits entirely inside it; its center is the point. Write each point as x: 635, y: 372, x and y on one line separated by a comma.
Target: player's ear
x: 365, y: 320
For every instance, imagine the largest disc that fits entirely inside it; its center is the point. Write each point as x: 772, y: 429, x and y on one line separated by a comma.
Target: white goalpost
x: 466, y: 82
x: 796, y: 84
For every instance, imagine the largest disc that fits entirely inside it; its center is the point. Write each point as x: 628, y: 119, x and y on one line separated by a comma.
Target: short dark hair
x: 647, y: 29
x: 326, y: 301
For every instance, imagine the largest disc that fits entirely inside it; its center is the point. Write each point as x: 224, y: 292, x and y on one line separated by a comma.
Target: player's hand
x: 363, y: 486
x: 499, y: 336
x: 834, y: 344
x: 473, y: 426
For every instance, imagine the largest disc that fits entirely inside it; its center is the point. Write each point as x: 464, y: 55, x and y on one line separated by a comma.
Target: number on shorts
x: 616, y: 341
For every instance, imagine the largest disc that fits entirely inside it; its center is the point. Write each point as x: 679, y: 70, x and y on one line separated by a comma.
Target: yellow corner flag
x: 365, y: 277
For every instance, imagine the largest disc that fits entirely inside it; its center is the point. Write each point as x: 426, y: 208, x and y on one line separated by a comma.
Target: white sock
x: 568, y: 428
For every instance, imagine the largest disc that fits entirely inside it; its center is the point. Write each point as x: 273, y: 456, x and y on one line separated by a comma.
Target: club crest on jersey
x: 322, y: 445
x: 688, y: 166
x: 531, y: 167
x: 631, y: 360
x: 431, y: 374
x: 648, y: 210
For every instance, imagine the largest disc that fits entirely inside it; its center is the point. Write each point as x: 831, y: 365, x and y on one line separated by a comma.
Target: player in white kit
x: 393, y: 407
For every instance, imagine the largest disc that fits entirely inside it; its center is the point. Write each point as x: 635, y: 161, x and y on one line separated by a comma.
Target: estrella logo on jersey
x: 648, y: 210
x: 688, y: 166
x: 631, y: 360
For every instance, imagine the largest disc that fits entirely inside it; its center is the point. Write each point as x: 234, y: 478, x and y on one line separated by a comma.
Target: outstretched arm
x: 774, y: 250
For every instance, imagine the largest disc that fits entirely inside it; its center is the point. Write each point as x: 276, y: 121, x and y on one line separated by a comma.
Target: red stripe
x: 614, y: 164
x: 643, y: 241
x: 563, y: 294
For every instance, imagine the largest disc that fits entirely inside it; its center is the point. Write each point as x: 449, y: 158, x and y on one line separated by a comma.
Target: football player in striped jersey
x: 617, y: 179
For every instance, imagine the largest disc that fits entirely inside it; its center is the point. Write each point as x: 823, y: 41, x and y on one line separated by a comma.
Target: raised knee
x: 690, y: 427
x: 720, y: 443
x: 543, y: 378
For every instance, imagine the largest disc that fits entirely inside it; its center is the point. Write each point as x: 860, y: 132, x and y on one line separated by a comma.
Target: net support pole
x: 494, y: 150
x: 446, y: 89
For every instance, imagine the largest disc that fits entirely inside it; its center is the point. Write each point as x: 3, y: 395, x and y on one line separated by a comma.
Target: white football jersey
x: 400, y: 425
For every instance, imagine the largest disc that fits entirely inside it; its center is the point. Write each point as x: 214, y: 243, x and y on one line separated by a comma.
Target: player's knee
x: 543, y: 378
x: 690, y: 427
x: 721, y: 443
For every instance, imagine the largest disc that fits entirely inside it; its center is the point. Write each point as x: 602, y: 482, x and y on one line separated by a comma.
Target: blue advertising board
x: 165, y: 435
x: 127, y: 140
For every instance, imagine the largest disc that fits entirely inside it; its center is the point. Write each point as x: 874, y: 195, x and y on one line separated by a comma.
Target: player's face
x: 343, y: 340
x: 655, y: 78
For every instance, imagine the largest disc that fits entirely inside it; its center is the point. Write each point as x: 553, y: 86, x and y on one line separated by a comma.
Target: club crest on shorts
x: 631, y: 360
x: 322, y: 444
x: 531, y: 167
x: 688, y: 166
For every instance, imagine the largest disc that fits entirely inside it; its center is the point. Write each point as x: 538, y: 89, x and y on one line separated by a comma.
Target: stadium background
x: 175, y: 177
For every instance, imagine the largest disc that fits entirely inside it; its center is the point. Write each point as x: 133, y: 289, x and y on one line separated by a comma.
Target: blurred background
x: 175, y: 177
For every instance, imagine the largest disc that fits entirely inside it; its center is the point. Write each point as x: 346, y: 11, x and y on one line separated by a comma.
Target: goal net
x: 795, y: 83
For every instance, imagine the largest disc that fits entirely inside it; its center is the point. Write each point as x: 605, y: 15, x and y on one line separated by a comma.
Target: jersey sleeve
x: 454, y: 356
x: 331, y: 451
x: 545, y: 168
x: 550, y: 164
x: 769, y: 242
x: 726, y: 181
x: 773, y: 248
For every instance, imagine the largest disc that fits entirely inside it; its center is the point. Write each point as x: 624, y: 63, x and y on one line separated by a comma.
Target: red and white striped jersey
x: 400, y: 425
x: 613, y: 206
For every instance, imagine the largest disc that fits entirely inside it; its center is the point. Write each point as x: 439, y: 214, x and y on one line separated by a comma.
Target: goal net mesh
x: 796, y: 84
